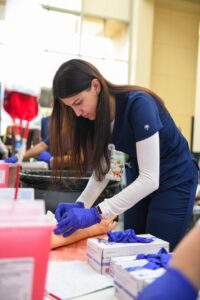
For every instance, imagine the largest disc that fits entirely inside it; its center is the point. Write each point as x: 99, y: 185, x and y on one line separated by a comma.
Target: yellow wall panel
x: 174, y: 63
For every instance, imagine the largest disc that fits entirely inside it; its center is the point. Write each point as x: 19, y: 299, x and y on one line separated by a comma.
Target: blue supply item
x: 44, y: 156
x: 127, y: 236
x: 155, y: 261
x: 12, y: 159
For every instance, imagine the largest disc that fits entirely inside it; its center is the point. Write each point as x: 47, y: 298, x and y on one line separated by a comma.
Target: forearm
x: 101, y: 228
x: 148, y: 156
x: 35, y: 151
x: 92, y: 191
x: 187, y: 256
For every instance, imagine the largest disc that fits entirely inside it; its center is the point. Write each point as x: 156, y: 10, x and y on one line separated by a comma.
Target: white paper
x: 72, y: 279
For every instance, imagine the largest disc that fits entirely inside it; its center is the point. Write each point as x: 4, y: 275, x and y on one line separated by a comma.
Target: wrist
x: 96, y: 214
x: 79, y: 204
x: 104, y: 210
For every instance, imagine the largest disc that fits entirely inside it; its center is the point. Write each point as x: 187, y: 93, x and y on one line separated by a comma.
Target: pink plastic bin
x: 7, y: 175
x: 25, y: 234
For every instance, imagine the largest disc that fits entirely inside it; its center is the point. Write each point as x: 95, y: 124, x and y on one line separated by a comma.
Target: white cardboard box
x: 100, y: 251
x: 127, y: 284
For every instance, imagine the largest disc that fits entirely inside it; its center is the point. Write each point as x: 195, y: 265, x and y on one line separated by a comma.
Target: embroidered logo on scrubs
x: 146, y: 127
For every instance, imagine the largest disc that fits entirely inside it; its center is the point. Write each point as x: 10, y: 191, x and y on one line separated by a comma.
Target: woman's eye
x: 78, y: 102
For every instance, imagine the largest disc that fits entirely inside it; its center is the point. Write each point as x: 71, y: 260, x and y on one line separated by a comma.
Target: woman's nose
x: 78, y: 112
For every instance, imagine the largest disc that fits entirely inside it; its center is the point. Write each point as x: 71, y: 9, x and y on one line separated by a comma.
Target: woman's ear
x: 96, y: 85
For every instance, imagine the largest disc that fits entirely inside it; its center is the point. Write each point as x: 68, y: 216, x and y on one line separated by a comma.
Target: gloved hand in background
x: 44, y: 156
x: 12, y: 159
x: 172, y: 285
x: 77, y: 218
x: 63, y: 207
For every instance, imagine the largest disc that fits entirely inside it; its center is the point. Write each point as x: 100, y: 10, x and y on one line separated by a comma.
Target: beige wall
x: 115, y: 9
x: 174, y: 63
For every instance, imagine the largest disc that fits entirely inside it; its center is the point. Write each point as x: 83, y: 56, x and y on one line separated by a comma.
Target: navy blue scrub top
x: 46, y: 141
x: 139, y: 116
x: 45, y: 128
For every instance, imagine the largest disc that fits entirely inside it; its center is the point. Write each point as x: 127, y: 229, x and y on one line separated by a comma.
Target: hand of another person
x: 95, y: 230
x: 172, y: 285
x: 44, y: 156
x: 64, y: 207
x: 77, y: 218
x: 103, y: 227
x: 12, y: 159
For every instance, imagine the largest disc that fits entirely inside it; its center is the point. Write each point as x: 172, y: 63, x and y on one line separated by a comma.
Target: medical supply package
x: 130, y: 276
x: 100, y: 250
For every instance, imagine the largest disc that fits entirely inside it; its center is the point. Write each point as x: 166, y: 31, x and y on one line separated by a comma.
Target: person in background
x: 8, y: 139
x: 40, y: 151
x: 3, y: 150
x: 161, y: 174
x: 182, y: 278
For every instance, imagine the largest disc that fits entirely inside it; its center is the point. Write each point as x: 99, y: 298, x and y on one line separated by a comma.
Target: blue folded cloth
x: 155, y: 261
x: 126, y: 236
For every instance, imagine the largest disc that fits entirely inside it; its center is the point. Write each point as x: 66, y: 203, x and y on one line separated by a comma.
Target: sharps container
x: 7, y: 175
x: 25, y: 237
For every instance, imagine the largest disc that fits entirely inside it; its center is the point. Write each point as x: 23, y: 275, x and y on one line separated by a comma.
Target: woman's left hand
x: 77, y: 218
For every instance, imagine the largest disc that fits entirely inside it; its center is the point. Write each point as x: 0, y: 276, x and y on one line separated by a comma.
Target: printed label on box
x: 4, y: 175
x: 16, y: 276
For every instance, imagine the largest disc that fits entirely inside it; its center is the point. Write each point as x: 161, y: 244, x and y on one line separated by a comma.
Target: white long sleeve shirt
x: 148, y: 156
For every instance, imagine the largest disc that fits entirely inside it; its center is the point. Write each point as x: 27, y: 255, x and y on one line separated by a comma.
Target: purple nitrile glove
x: 64, y: 207
x: 155, y: 260
x: 44, y: 156
x: 12, y: 159
x: 172, y: 285
x: 127, y: 236
x: 77, y: 218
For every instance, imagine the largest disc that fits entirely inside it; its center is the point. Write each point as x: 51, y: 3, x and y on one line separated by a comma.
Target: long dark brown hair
x: 79, y: 134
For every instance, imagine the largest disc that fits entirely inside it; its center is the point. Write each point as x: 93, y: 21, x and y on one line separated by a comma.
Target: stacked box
x: 100, y: 251
x: 127, y: 284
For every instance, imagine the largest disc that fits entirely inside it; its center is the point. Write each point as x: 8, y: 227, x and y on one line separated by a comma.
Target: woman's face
x: 84, y: 104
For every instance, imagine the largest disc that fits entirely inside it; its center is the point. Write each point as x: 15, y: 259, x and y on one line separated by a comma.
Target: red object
x: 23, y: 107
x: 28, y: 241
x: 20, y: 106
x: 4, y: 175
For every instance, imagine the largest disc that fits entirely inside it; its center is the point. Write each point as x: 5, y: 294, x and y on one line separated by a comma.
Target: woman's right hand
x: 64, y: 207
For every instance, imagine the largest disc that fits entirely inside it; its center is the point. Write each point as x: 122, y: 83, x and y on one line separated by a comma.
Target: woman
x: 162, y: 175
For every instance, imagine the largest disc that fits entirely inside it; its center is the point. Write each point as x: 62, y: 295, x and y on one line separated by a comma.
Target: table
x: 77, y: 251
